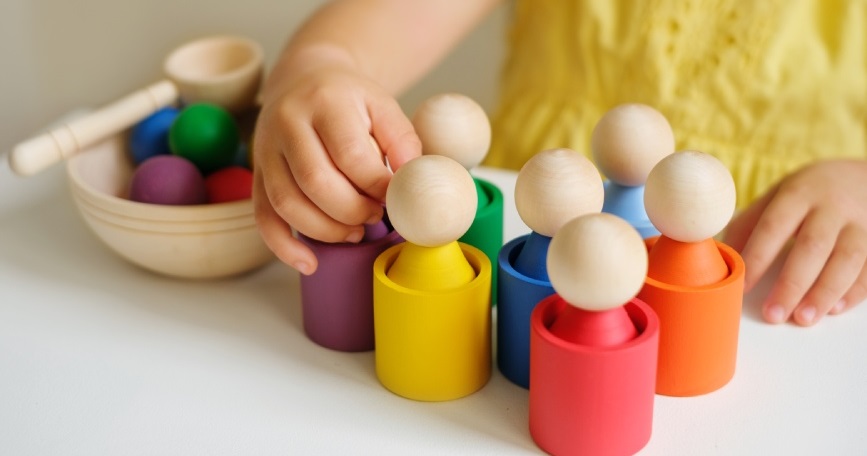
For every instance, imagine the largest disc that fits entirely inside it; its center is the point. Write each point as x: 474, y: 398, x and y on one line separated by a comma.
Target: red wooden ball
x: 232, y: 183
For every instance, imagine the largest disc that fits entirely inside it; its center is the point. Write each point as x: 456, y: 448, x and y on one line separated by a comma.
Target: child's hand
x: 824, y: 208
x: 317, y: 169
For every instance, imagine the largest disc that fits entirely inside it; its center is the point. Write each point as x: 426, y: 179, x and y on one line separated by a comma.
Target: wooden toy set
x: 619, y: 292
x: 612, y: 319
x: 596, y: 313
x: 149, y: 168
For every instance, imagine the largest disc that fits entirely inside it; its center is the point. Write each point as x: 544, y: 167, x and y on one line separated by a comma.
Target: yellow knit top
x: 766, y: 86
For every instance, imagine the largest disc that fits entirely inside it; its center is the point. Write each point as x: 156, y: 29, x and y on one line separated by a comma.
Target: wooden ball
x: 150, y: 137
x: 455, y: 126
x: 690, y: 196
x: 431, y: 200
x: 205, y: 134
x: 169, y: 180
x: 597, y: 262
x: 555, y: 186
x: 231, y: 183
x: 628, y: 141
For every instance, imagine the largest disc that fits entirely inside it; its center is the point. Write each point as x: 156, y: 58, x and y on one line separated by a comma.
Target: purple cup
x: 337, y: 300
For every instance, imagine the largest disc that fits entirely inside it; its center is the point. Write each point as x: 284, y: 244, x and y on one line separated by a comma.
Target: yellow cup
x: 432, y: 345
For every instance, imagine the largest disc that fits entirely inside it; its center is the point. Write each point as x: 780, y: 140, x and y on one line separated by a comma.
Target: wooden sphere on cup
x: 555, y: 186
x: 455, y: 126
x: 597, y: 262
x: 629, y: 141
x: 431, y: 200
x: 690, y: 196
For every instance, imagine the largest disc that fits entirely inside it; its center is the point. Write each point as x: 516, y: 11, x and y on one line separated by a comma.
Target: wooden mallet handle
x: 35, y: 154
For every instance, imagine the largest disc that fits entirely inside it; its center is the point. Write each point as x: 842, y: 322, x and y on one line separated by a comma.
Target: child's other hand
x: 824, y: 208
x: 316, y: 168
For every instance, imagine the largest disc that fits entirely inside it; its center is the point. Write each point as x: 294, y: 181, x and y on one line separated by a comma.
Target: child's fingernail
x: 841, y: 304
x: 374, y: 219
x: 807, y: 314
x: 354, y: 236
x: 302, y: 267
x: 775, y: 314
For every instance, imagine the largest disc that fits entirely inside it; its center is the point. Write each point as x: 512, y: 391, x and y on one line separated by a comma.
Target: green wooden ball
x: 206, y: 135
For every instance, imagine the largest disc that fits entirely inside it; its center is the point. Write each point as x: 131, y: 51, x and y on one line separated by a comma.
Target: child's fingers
x: 741, y: 227
x: 293, y: 206
x: 809, y: 254
x: 775, y: 226
x: 324, y: 185
x: 348, y: 143
x: 856, y: 294
x: 277, y: 234
x: 394, y: 133
x: 839, y: 274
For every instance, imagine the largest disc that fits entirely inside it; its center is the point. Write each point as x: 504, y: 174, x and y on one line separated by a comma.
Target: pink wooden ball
x: 431, y: 200
x: 597, y: 262
x: 690, y: 196
x: 169, y: 180
x: 455, y: 126
x: 555, y: 186
x: 628, y: 141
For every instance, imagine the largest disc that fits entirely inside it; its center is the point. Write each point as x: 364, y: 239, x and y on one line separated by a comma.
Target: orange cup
x: 699, y: 327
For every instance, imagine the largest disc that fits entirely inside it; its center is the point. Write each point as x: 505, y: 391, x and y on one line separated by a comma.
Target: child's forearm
x: 393, y: 42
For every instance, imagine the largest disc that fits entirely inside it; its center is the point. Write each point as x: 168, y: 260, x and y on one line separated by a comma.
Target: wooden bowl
x: 193, y: 242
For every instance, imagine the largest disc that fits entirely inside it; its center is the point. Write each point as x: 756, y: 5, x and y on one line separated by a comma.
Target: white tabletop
x: 98, y: 357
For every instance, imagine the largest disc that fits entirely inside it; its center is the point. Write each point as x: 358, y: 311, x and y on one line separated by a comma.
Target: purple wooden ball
x: 168, y: 179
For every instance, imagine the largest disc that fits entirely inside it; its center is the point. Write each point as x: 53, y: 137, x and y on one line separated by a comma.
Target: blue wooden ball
x: 150, y: 137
